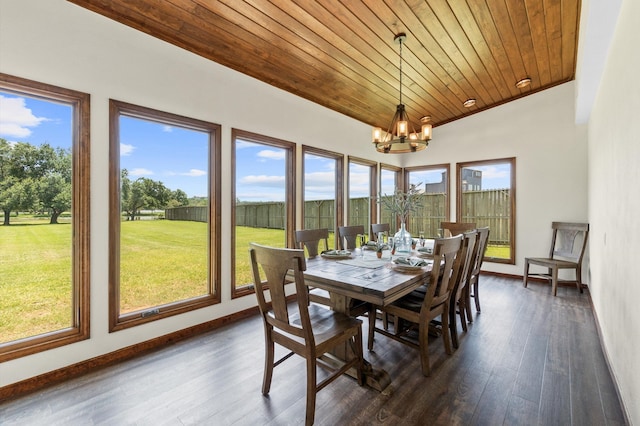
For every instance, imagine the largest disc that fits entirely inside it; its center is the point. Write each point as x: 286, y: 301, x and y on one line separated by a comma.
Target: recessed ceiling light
x: 469, y: 103
x: 523, y: 83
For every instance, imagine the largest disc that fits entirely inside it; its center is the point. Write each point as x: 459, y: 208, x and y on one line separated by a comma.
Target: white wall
x: 614, y: 205
x: 551, y: 162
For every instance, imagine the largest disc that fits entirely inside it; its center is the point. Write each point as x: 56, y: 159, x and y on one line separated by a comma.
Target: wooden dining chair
x: 419, y: 309
x: 474, y: 280
x: 313, y: 240
x: 458, y: 299
x: 309, y: 331
x: 377, y: 228
x: 568, y: 244
x: 454, y: 228
x: 347, y: 236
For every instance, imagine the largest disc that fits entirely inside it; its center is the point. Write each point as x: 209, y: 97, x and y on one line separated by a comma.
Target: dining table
x: 361, y: 278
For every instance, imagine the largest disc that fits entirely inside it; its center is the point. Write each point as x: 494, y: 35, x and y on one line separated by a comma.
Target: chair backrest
x: 276, y: 263
x: 455, y: 228
x: 378, y: 227
x: 569, y: 241
x: 310, y: 239
x: 483, y: 240
x: 468, y: 256
x: 347, y: 236
x: 446, y: 266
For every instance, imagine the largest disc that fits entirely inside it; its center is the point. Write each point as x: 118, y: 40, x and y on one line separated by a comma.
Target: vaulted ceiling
x: 341, y: 54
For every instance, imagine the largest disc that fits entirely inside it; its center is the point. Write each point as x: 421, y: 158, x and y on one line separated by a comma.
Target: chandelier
x: 401, y: 136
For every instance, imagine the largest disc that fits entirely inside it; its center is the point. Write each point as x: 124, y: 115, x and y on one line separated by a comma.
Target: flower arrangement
x: 402, y: 203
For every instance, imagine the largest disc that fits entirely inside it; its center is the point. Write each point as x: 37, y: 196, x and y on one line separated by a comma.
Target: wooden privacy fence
x: 490, y: 208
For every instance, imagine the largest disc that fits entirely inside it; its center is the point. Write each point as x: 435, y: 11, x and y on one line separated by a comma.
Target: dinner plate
x: 406, y: 268
x: 341, y: 254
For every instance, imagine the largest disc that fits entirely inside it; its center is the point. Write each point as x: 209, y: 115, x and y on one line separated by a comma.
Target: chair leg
x: 445, y: 330
x: 467, y: 302
x: 579, y: 278
x: 476, y: 294
x: 453, y: 326
x: 554, y: 280
x: 311, y: 391
x: 423, y: 337
x: 358, y: 353
x: 526, y: 273
x: 268, y: 363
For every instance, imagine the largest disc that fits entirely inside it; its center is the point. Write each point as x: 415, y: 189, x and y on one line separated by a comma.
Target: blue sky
x: 178, y: 157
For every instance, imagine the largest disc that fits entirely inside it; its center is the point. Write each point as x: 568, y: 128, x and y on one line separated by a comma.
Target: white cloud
x: 167, y: 129
x: 263, y: 180
x: 16, y: 119
x: 271, y: 154
x: 194, y: 172
x: 140, y: 172
x: 126, y: 149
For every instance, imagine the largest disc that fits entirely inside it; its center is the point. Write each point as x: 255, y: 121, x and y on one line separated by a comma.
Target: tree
x: 143, y: 193
x: 54, y: 187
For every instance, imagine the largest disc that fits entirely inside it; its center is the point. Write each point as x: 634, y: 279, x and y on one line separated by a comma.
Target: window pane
x: 487, y: 198
x: 322, y: 203
x: 433, y: 182
x: 260, y: 201
x: 163, y: 235
x: 360, y: 195
x: 388, y: 183
x: 36, y: 237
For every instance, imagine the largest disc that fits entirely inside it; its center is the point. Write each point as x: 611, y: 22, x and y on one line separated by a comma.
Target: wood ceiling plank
x: 535, y: 16
x: 522, y: 30
x: 570, y: 12
x: 479, y: 43
x: 553, y: 24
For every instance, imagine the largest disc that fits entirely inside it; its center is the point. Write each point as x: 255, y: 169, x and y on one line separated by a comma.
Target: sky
x: 178, y: 157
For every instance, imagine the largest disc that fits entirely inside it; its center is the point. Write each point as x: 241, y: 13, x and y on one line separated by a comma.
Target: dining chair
x: 307, y: 330
x: 458, y: 299
x: 311, y: 239
x: 455, y: 228
x: 474, y: 280
x: 419, y: 309
x: 347, y: 236
x: 568, y: 244
x: 377, y: 228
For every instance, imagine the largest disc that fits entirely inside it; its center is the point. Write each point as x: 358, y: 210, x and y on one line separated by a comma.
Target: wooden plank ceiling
x: 341, y: 54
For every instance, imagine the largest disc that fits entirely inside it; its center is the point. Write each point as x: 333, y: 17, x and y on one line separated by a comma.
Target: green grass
x: 160, y: 262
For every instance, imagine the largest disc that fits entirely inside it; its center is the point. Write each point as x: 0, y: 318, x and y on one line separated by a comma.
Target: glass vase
x: 402, y: 241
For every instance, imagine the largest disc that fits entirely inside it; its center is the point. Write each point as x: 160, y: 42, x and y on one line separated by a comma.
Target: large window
x: 322, y: 192
x: 486, y: 195
x: 164, y: 214
x: 44, y: 236
x: 433, y: 181
x: 362, y: 193
x: 264, y: 200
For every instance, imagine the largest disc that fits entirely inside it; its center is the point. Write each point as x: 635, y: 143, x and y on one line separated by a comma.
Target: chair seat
x: 325, y: 323
x: 550, y: 263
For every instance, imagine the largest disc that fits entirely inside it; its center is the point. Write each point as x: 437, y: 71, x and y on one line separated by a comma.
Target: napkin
x: 336, y: 252
x: 411, y: 261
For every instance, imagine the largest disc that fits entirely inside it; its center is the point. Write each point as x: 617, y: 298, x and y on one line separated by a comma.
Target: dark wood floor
x: 528, y: 358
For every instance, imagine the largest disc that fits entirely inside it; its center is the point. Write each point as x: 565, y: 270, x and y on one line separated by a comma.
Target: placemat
x: 368, y: 263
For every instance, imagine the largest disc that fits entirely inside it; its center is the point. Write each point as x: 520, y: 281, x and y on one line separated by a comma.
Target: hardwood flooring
x: 528, y: 358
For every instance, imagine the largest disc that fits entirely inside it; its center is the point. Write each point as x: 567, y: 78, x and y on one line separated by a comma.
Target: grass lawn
x: 161, y: 262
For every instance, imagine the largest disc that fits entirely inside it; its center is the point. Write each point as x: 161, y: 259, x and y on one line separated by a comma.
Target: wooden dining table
x: 356, y: 279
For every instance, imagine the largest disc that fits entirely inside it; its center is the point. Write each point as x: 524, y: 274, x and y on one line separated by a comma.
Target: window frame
x: 118, y: 321
x: 80, y: 213
x: 339, y: 184
x: 373, y: 188
x: 290, y: 184
x: 512, y: 201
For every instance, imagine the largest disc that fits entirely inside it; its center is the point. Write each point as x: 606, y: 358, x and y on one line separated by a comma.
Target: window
x: 164, y: 215
x: 44, y: 237
x: 322, y: 190
x: 434, y: 182
x: 487, y: 196
x: 264, y: 194
x: 389, y: 181
x: 362, y: 193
